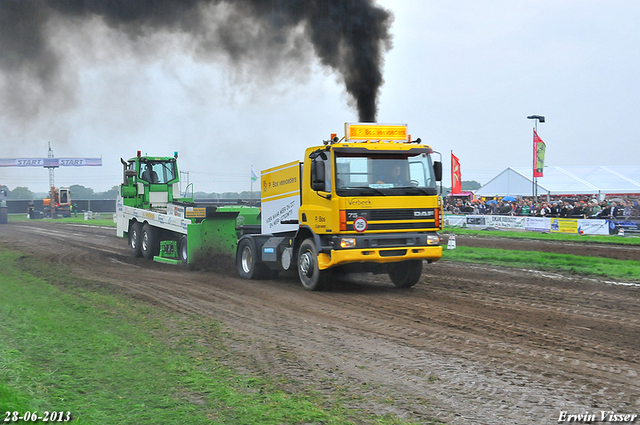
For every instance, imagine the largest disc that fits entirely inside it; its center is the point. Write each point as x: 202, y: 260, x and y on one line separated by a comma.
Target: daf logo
x: 422, y: 213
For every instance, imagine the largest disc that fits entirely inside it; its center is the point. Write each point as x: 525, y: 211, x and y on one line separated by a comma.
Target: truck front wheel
x: 134, y: 239
x: 311, y: 277
x: 149, y: 242
x: 405, y: 274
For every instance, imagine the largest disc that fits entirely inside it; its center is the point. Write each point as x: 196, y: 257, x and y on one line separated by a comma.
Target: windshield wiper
x: 365, y: 188
x: 414, y: 188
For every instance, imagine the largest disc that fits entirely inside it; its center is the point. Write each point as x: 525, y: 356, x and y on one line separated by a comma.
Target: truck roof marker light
x: 139, y: 154
x: 333, y: 139
x: 175, y: 154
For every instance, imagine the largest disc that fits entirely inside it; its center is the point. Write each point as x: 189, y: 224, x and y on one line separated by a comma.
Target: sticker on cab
x: 360, y: 224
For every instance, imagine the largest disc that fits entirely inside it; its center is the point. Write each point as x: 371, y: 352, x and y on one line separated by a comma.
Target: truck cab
x: 367, y: 203
x: 150, y: 182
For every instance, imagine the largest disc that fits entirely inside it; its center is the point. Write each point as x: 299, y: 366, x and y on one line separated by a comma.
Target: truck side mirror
x: 317, y: 175
x: 437, y: 169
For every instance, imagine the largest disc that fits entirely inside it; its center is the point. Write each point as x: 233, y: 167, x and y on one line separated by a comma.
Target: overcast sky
x: 464, y: 76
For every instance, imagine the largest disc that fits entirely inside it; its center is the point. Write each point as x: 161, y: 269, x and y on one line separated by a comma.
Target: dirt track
x: 467, y: 345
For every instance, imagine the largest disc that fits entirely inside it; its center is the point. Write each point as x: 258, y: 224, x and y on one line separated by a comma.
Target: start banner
x: 51, y: 162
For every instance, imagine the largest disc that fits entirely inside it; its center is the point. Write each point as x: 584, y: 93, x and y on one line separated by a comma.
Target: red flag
x: 456, y: 176
x: 539, y: 148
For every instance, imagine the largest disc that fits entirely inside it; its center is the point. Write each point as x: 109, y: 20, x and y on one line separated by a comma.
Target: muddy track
x: 469, y: 344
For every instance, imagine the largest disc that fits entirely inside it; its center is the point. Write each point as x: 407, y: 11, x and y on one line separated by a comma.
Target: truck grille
x: 376, y: 215
x: 398, y: 226
x: 412, y: 219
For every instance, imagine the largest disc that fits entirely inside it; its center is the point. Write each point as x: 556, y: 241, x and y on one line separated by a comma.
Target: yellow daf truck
x: 365, y: 203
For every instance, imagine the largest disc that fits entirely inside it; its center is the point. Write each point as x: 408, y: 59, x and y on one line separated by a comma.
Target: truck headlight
x: 433, y: 240
x: 347, y: 242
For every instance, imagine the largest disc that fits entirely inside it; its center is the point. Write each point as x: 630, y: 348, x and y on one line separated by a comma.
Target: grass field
x: 106, y: 219
x: 610, y: 239
x: 626, y: 270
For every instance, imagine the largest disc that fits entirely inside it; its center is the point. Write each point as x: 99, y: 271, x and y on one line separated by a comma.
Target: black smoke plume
x: 348, y: 36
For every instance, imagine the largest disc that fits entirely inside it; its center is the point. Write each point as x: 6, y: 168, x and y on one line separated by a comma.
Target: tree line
x: 81, y: 192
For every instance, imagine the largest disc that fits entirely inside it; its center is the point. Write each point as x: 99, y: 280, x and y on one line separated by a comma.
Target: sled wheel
x: 182, y: 249
x: 149, y: 242
x: 134, y: 239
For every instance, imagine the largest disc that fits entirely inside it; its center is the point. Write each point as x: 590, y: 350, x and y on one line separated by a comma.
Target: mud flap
x: 168, y: 253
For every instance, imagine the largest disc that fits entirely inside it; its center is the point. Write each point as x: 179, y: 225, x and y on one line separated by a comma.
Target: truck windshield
x: 158, y: 171
x: 386, y: 174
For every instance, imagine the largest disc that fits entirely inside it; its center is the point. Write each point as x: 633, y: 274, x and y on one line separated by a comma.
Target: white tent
x: 599, y: 181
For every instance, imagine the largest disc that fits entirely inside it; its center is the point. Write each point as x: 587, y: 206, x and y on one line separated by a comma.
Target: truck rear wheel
x: 182, y: 249
x: 134, y: 239
x: 149, y: 241
x: 311, y: 277
x: 405, y: 274
x: 247, y: 265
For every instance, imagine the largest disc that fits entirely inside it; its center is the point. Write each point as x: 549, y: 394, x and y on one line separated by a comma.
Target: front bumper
x: 385, y: 249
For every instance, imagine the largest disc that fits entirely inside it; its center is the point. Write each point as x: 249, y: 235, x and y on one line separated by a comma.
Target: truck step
x: 166, y: 260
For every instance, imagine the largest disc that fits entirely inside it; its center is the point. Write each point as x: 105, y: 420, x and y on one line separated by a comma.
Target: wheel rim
x: 247, y: 259
x: 145, y: 241
x: 183, y: 252
x: 134, y: 239
x: 306, y: 264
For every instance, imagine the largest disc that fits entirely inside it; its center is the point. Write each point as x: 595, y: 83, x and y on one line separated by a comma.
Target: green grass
x: 106, y: 219
x: 627, y: 270
x: 611, y: 239
x: 12, y: 400
x: 107, y: 358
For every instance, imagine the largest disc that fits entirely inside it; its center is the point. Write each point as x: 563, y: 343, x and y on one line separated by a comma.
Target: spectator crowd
x: 565, y: 208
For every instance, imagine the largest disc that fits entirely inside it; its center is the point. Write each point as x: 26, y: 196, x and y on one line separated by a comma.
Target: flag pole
x: 451, y: 171
x: 533, y: 165
x: 534, y: 189
x: 254, y: 177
